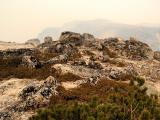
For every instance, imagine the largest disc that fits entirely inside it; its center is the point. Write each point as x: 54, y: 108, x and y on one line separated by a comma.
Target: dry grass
x: 22, y: 72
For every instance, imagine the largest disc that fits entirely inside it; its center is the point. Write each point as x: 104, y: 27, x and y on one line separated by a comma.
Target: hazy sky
x: 24, y: 19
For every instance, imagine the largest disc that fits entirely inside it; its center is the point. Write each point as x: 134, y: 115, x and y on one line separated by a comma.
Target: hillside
x: 80, y: 77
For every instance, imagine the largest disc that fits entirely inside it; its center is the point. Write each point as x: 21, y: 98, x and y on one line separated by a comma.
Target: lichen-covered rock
x: 71, y: 38
x: 105, y: 58
x: 131, y: 49
x: 16, y: 52
x: 79, y: 62
x: 93, y: 80
x: 5, y: 116
x: 30, y: 103
x: 59, y: 48
x: 50, y: 82
x: 28, y: 91
x: 30, y: 62
x: 58, y: 59
x: 48, y: 39
x: 123, y: 74
x: 157, y: 55
x: 137, y: 50
x: 88, y: 36
x: 116, y: 74
x: 35, y: 95
x: 49, y: 87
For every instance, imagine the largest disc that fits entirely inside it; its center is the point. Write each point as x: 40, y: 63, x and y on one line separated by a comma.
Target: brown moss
x: 68, y: 77
x: 86, y: 92
x: 23, y: 72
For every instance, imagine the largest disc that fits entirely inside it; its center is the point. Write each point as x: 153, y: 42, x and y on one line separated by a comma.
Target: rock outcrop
x: 71, y: 38
x: 131, y: 49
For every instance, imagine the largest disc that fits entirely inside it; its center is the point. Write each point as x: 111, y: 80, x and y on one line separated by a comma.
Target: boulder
x: 116, y: 74
x: 93, y: 80
x: 30, y: 103
x: 132, y: 49
x: 71, y: 38
x: 49, y: 87
x: 28, y: 91
x: 157, y: 55
x: 105, y: 58
x: 59, y: 48
x: 88, y: 36
x: 123, y: 74
x: 45, y: 92
x: 5, y: 116
x: 48, y: 39
x: 50, y: 82
x: 30, y: 62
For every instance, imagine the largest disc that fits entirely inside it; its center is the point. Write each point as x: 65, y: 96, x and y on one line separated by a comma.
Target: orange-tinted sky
x: 24, y: 19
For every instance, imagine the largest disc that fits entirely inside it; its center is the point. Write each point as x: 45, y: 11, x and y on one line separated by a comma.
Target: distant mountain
x: 104, y: 28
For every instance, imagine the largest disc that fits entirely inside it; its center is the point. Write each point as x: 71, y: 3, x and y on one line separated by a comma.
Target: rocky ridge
x: 86, y: 58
